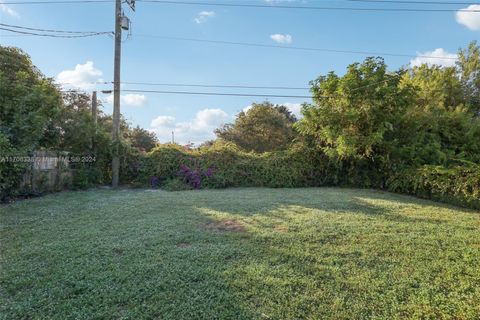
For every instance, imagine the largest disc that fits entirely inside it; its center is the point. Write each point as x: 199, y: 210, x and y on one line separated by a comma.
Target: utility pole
x: 94, y: 107
x: 121, y: 22
x: 173, y: 137
x: 116, y: 93
x: 94, y: 116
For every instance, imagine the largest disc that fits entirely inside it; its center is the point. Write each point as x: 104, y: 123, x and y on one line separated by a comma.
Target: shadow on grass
x: 347, y: 255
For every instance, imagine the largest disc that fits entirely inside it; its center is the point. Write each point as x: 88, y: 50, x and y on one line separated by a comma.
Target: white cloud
x: 282, y: 38
x: 129, y: 100
x: 438, y: 57
x: 294, y: 108
x: 469, y: 19
x: 7, y: 10
x: 163, y: 121
x: 203, y: 16
x: 82, y: 77
x: 196, y: 130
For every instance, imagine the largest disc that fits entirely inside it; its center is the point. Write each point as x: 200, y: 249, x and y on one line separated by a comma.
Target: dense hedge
x: 224, y: 165
x: 458, y: 185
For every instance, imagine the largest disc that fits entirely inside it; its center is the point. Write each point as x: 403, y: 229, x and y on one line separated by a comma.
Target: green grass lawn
x: 238, y: 254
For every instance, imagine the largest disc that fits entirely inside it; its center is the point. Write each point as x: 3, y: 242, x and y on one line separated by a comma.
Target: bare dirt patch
x: 230, y: 225
x: 183, y: 245
x: 117, y: 252
x: 281, y: 228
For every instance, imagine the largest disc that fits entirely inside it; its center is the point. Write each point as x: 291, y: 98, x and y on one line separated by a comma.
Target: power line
x: 248, y: 44
x: 228, y: 86
x: 55, y: 35
x: 243, y: 5
x: 57, y: 2
x: 216, y: 86
x: 47, y: 30
x: 414, y: 2
x: 95, y: 33
x: 218, y: 94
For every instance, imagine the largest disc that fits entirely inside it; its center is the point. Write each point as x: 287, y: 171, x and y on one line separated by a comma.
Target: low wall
x: 48, y: 171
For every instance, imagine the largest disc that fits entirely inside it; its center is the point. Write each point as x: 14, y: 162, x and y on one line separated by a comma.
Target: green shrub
x: 81, y: 179
x: 231, y: 167
x: 459, y: 185
x: 175, y: 185
x: 11, y: 172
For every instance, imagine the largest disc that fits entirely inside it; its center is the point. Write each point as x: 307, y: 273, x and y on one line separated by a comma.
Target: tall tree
x: 353, y: 115
x: 28, y: 103
x: 469, y: 69
x: 263, y: 127
x: 28, y: 100
x: 142, y: 139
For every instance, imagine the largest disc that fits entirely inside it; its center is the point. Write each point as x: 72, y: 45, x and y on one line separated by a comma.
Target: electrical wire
x: 218, y: 94
x: 225, y: 86
x: 248, y: 44
x: 244, y: 5
x: 57, y: 2
x: 47, y: 30
x: 216, y: 86
x: 414, y: 2
x: 56, y: 35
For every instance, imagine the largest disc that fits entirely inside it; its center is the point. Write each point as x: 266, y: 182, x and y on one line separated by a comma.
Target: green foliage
x: 28, y: 103
x: 82, y: 178
x: 377, y: 125
x: 264, y: 127
x: 434, y: 87
x: 10, y: 171
x: 28, y: 100
x: 142, y: 139
x: 353, y: 115
x: 175, y: 185
x: 459, y: 185
x: 469, y: 68
x: 231, y: 167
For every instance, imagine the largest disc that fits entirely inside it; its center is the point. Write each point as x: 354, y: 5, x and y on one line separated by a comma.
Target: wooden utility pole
x: 94, y: 107
x: 94, y: 116
x: 116, y: 93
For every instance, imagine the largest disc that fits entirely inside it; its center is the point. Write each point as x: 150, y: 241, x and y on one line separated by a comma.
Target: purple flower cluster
x: 193, y: 176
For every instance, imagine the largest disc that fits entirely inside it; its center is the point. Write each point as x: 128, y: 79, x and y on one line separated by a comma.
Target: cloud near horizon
x: 129, y: 100
x: 295, y: 108
x: 196, y: 130
x: 83, y: 76
x: 438, y: 57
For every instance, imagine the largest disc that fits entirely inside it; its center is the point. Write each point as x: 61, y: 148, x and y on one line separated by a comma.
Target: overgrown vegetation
x: 35, y: 115
x: 263, y: 127
x: 413, y: 130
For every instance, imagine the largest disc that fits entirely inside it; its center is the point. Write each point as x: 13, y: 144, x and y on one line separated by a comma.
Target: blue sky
x: 193, y: 118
